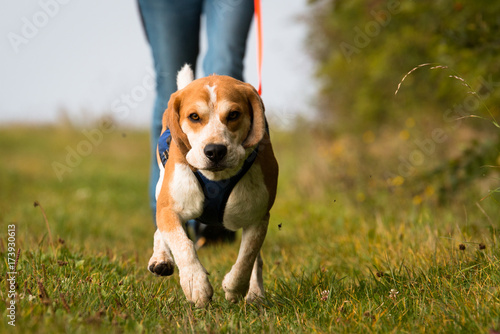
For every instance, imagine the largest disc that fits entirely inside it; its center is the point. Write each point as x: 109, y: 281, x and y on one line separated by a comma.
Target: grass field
x: 352, y: 246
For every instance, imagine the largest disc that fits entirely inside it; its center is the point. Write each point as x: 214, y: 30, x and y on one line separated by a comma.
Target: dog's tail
x: 184, y: 76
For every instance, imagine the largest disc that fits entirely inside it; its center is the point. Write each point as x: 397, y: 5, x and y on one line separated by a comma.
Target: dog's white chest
x: 186, y: 193
x: 248, y: 201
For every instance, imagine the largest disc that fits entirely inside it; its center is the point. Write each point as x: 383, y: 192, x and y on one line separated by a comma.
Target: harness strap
x: 164, y: 146
x: 217, y: 192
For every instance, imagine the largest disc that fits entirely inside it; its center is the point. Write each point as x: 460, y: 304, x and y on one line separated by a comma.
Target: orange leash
x: 258, y: 17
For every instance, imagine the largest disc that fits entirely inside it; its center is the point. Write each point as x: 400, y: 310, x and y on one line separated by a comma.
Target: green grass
x: 341, y: 238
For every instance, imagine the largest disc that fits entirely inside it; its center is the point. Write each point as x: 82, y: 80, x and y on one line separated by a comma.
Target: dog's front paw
x: 164, y: 268
x: 196, y: 286
x: 235, y: 287
x: 161, y: 266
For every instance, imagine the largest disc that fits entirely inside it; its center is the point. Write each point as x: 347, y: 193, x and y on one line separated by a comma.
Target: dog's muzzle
x: 215, y: 152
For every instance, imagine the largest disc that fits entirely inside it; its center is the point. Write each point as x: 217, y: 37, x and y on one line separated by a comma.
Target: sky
x: 76, y: 60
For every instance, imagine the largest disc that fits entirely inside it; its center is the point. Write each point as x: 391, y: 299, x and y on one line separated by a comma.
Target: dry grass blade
x: 64, y: 303
x: 484, y: 213
x: 416, y: 68
x: 44, y: 296
x: 463, y: 83
x: 410, y: 72
x: 35, y: 204
x: 17, y: 258
x: 439, y: 67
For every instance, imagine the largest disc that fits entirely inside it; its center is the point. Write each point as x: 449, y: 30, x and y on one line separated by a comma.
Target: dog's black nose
x: 215, y: 152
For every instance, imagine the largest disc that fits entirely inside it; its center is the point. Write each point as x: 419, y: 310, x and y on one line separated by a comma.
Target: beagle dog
x: 217, y: 145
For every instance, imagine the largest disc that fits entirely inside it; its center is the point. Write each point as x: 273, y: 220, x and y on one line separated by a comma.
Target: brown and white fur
x: 222, y: 111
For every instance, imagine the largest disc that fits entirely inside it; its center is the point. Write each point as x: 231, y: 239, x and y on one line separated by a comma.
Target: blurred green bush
x: 364, y: 48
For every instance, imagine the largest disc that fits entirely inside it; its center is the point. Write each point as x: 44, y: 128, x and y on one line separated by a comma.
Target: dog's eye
x: 233, y: 115
x: 194, y: 117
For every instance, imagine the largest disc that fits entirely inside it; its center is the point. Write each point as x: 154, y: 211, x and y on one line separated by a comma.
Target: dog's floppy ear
x: 171, y: 116
x: 171, y: 119
x: 258, y: 126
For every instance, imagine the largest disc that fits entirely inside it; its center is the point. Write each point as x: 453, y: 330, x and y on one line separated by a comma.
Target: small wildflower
x: 417, y: 199
x: 410, y: 122
x: 404, y: 135
x: 429, y: 191
x: 397, y: 181
x: 325, y: 294
x: 482, y: 246
x: 337, y: 149
x: 461, y: 247
x: 393, y: 294
x: 31, y: 297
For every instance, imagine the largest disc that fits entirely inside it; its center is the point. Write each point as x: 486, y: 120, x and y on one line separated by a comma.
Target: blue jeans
x: 173, y: 31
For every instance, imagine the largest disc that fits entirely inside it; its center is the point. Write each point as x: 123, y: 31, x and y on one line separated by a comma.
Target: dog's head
x: 215, y: 121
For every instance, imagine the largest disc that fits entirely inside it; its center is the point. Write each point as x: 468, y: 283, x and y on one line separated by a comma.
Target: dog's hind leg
x: 256, y: 289
x: 236, y: 283
x: 161, y: 263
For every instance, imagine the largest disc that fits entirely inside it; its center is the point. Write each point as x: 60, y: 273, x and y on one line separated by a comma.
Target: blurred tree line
x: 364, y: 48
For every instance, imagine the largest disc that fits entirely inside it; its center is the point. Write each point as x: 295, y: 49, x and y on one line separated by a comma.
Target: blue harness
x: 216, y: 192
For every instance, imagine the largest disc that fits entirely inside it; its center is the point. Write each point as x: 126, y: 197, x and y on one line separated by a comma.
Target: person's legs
x: 172, y: 28
x: 228, y: 24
